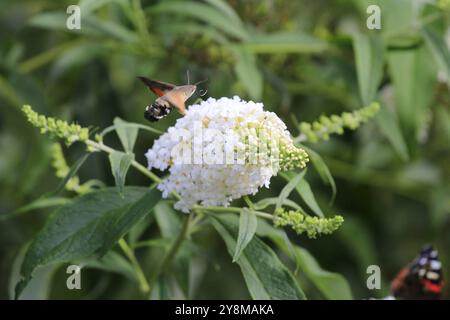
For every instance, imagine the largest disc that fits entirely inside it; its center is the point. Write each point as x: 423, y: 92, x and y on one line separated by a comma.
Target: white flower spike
x: 222, y: 150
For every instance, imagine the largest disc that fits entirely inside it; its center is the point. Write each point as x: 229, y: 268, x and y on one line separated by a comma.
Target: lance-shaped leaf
x: 265, y: 275
x: 127, y: 134
x: 247, y: 228
x: 88, y: 226
x: 332, y: 285
x: 120, y: 163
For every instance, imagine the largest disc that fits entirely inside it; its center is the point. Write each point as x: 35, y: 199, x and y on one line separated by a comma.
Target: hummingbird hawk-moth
x: 169, y: 95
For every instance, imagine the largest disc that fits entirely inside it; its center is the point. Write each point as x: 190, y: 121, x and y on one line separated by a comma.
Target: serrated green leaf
x: 127, y: 134
x: 265, y: 275
x: 247, y: 228
x: 87, y: 226
x: 120, y: 163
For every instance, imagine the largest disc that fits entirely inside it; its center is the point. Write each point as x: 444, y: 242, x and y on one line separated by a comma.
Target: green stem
x: 143, y: 284
x: 248, y: 201
x: 134, y: 163
x: 260, y: 214
x: 165, y: 264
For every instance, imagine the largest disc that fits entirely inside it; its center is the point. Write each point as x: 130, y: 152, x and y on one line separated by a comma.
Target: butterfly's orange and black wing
x: 157, y: 87
x: 421, y: 279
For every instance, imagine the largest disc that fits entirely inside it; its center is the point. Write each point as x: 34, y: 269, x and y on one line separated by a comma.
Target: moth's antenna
x: 201, y: 81
x: 187, y: 74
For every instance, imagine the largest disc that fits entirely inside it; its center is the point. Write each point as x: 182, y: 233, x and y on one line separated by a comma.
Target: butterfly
x: 169, y: 95
x: 421, y: 279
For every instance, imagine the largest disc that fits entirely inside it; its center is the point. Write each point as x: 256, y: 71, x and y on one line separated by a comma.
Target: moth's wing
x: 176, y: 99
x: 157, y: 87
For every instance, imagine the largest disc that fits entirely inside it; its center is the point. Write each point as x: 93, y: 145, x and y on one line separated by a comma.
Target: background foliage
x: 302, y: 59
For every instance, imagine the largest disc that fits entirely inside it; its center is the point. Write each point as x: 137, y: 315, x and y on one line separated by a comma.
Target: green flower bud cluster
x: 301, y: 223
x: 325, y: 126
x: 269, y: 143
x: 62, y: 170
x: 55, y: 127
x: 292, y: 157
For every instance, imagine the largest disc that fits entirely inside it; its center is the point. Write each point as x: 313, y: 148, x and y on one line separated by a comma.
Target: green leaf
x: 49, y: 20
x: 90, y: 26
x: 139, y: 229
x: 112, y: 262
x: 87, y: 226
x: 168, y: 220
x: 264, y: 203
x: 304, y: 190
x: 205, y: 13
x: 331, y: 285
x: 226, y: 9
x: 247, y: 228
x: 123, y: 219
x: 286, y: 191
x: 127, y: 134
x: 439, y: 49
x: 265, y: 275
x: 369, y: 56
x: 39, y: 287
x: 73, y: 171
x: 357, y: 238
x: 169, y: 223
x: 323, y: 170
x: 414, y: 79
x: 284, y: 42
x: 89, y: 6
x: 37, y: 204
x: 248, y: 73
x: 120, y: 163
x: 388, y: 123
x: 107, y: 28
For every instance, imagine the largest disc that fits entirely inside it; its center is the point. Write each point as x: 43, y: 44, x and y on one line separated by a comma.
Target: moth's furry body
x: 170, y: 97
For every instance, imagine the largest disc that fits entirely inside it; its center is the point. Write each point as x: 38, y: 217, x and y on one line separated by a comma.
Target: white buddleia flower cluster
x: 222, y: 150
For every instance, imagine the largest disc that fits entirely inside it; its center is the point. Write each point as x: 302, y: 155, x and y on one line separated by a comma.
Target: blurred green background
x: 300, y: 58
